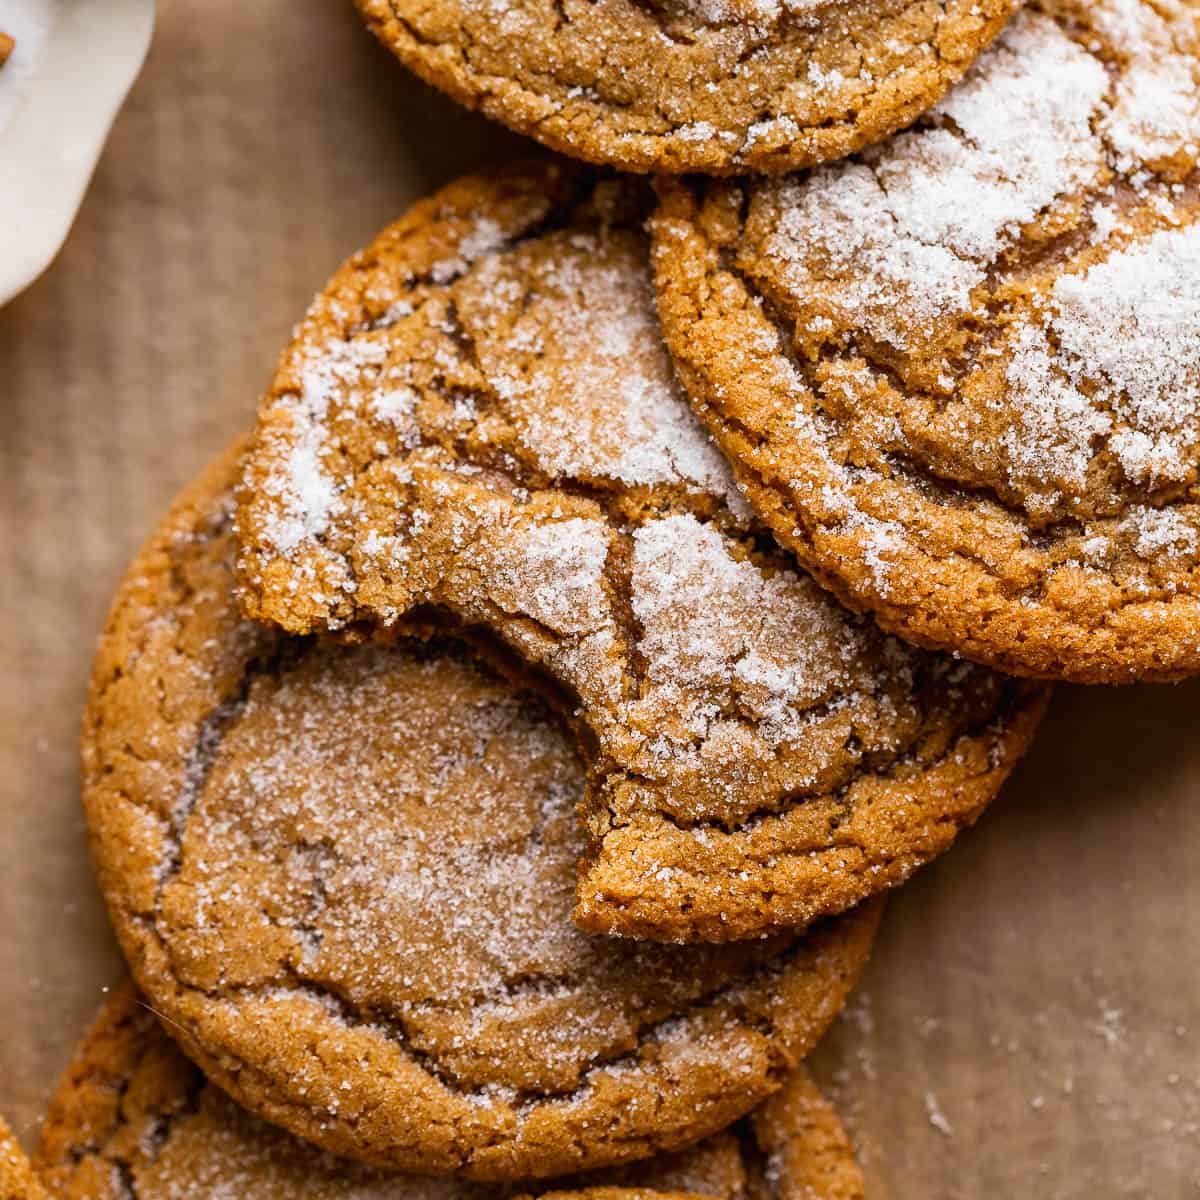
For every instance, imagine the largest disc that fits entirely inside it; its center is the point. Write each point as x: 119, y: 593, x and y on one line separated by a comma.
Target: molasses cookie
x: 478, y: 419
x: 17, y: 1178
x: 344, y: 874
x: 960, y: 375
x: 693, y: 85
x: 135, y: 1120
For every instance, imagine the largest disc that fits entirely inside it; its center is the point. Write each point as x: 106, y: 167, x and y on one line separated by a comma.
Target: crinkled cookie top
x: 134, y: 1120
x: 960, y: 374
x: 478, y: 417
x: 693, y: 85
x: 344, y: 876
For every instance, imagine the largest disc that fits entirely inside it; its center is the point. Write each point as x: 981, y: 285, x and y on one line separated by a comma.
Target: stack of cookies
x: 494, y: 762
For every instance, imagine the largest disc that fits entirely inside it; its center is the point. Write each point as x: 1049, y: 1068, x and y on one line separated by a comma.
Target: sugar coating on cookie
x: 344, y: 876
x: 716, y: 86
x: 133, y: 1119
x: 959, y: 374
x: 18, y: 1180
x: 478, y: 418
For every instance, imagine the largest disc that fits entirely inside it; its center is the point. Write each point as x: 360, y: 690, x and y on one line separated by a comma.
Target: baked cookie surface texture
x: 693, y: 85
x: 133, y: 1119
x: 343, y: 875
x: 959, y: 375
x: 478, y: 417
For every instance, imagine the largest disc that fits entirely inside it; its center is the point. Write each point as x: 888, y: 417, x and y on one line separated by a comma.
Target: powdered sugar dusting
x: 399, y: 830
x: 1156, y: 113
x: 305, y: 492
x: 1124, y: 370
x: 1004, y: 139
x: 553, y: 573
x: 880, y: 540
x: 900, y: 239
x: 484, y: 235
x: 1133, y: 323
x: 587, y: 376
x: 1161, y: 531
x: 761, y: 13
x: 1053, y: 435
x: 692, y: 598
x: 771, y: 130
x: 1029, y: 251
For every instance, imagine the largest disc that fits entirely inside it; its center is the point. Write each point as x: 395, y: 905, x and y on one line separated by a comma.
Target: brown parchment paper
x: 1030, y: 1024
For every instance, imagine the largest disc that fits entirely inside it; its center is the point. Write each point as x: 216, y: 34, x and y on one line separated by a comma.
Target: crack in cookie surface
x: 334, y: 864
x: 133, y: 1120
x: 512, y: 446
x: 693, y: 85
x: 973, y: 399
x: 398, y: 829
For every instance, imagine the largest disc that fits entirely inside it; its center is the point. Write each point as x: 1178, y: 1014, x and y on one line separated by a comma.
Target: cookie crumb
x: 937, y: 1118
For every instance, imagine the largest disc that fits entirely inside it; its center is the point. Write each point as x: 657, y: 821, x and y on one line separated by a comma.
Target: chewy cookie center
x: 393, y: 830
